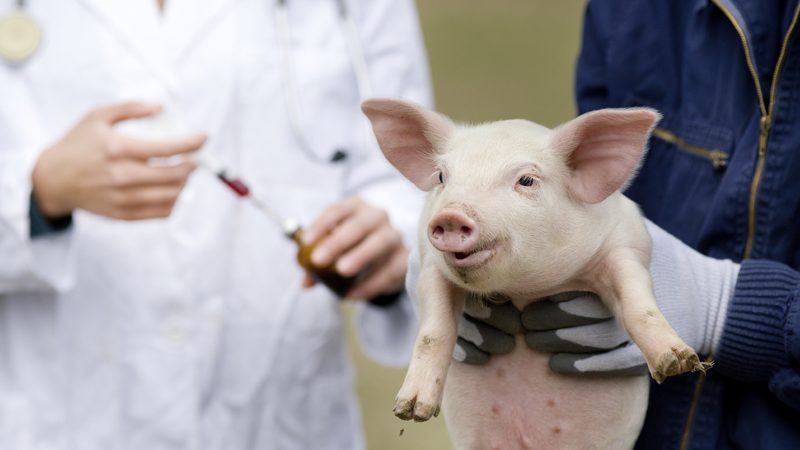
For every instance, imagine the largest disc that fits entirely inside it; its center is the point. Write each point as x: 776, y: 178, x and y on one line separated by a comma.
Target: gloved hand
x: 692, y: 291
x: 487, y: 327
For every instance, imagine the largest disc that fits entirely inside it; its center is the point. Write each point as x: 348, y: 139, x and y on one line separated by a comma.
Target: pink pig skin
x: 517, y: 402
x: 516, y: 209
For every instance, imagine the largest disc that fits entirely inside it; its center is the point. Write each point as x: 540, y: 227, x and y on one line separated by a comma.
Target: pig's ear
x: 409, y: 137
x: 603, y: 148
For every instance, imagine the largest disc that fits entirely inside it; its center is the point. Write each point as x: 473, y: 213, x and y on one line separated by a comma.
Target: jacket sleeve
x: 395, y: 55
x: 44, y: 263
x: 591, y: 84
x: 761, y: 338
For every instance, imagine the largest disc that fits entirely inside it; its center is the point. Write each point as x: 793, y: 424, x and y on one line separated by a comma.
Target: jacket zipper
x: 718, y: 158
x: 763, y: 138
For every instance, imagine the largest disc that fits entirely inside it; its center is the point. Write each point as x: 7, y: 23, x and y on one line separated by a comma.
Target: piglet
x: 518, y: 211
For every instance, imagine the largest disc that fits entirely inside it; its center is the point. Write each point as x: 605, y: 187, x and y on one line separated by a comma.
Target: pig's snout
x: 453, y: 232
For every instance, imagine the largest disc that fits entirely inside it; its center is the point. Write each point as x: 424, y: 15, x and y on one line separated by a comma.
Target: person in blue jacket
x: 720, y: 179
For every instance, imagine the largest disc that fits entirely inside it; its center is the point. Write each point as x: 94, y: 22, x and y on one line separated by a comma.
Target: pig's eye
x: 441, y: 177
x: 526, y: 180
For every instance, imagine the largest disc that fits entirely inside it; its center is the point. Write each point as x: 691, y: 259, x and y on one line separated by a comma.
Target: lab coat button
x: 175, y: 331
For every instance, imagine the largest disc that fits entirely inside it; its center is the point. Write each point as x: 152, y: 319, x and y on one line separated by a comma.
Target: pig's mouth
x: 472, y: 259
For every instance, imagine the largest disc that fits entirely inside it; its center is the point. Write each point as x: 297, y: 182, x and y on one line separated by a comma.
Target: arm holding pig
x: 747, y: 317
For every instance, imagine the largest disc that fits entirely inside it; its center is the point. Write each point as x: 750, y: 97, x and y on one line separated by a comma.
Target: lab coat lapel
x: 191, y: 20
x: 136, y: 25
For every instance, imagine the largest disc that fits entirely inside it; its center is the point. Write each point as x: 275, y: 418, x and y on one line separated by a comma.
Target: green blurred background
x: 489, y: 60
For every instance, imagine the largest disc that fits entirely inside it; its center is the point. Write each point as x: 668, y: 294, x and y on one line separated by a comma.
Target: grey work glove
x: 692, y: 291
x: 576, y: 327
x: 487, y: 327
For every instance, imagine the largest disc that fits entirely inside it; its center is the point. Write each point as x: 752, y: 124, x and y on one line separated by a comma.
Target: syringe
x: 289, y: 227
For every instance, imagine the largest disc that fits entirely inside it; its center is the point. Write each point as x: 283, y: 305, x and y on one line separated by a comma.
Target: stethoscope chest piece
x: 20, y: 36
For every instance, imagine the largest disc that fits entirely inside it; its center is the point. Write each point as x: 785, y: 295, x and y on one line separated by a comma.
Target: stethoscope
x: 20, y: 36
x: 357, y: 60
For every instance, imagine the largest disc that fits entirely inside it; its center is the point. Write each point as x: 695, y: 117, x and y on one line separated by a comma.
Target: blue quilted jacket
x: 723, y: 175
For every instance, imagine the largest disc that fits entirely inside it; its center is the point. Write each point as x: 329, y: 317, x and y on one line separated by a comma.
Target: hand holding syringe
x: 328, y: 275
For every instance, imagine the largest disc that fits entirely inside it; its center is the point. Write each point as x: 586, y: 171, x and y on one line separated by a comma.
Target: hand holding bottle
x: 357, y: 241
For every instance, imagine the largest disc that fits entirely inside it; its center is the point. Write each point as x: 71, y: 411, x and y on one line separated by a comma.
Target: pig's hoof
x: 404, y: 409
x: 424, y: 411
x: 677, y: 362
x: 667, y: 366
x: 414, y: 410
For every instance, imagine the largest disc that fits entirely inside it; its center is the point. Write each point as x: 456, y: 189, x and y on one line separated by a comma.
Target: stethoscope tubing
x: 358, y: 61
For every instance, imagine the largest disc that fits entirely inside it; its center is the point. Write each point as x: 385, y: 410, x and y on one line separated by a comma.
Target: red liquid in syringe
x: 235, y: 184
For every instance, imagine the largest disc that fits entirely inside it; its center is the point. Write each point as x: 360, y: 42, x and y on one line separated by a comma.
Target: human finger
x: 582, y: 308
x: 624, y: 361
x: 600, y: 336
x: 329, y: 219
x: 125, y: 174
x: 494, y: 310
x: 308, y: 280
x: 346, y: 235
x: 156, y: 211
x: 487, y: 338
x: 385, y: 277
x: 147, y: 195
x: 144, y: 149
x: 368, y: 250
x: 467, y: 353
x: 118, y: 112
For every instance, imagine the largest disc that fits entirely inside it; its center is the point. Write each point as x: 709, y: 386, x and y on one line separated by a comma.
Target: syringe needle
x: 288, y: 226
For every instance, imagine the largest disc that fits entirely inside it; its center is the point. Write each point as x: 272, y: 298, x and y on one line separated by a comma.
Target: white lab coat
x: 193, y: 332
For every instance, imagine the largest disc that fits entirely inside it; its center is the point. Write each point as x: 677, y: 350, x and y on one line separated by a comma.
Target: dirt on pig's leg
x: 664, y: 351
x: 441, y: 304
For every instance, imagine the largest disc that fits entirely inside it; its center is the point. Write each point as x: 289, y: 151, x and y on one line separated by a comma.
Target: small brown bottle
x: 328, y: 276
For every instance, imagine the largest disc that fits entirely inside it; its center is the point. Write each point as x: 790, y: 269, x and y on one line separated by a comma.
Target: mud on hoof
x: 411, y: 409
x: 677, y: 362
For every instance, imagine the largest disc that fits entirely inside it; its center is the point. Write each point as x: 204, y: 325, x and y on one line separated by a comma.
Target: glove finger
x: 548, y: 315
x: 467, y: 353
x: 601, y: 336
x: 504, y: 316
x: 570, y: 295
x: 485, y: 337
x: 624, y: 361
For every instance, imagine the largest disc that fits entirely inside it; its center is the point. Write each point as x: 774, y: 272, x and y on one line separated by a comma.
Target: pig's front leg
x: 664, y: 351
x: 441, y: 303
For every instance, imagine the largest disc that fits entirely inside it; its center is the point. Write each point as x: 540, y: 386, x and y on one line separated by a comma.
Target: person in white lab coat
x: 142, y: 305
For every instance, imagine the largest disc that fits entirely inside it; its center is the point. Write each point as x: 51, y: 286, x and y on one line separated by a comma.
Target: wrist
x: 41, y: 225
x: 46, y: 193
x: 727, y: 273
x: 753, y: 342
x: 386, y: 300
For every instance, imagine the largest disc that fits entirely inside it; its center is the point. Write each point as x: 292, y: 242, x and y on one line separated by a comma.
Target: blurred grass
x: 489, y: 60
